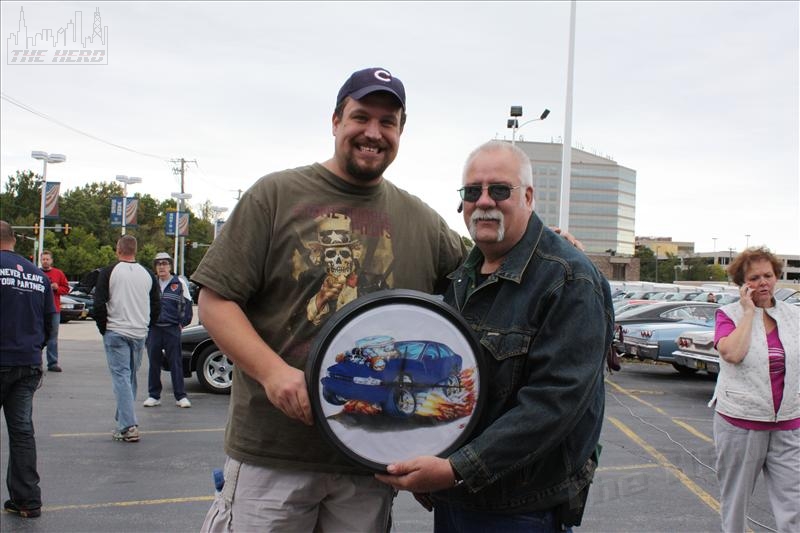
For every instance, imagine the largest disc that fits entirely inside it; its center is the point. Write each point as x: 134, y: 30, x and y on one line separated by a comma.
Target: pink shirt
x: 777, y: 371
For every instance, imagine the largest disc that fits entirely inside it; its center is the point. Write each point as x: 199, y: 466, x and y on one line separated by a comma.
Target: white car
x: 696, y: 350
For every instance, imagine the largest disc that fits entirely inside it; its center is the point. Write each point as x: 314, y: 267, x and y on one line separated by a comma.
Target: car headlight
x: 67, y: 306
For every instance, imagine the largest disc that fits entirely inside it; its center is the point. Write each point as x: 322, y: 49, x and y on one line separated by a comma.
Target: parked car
x: 658, y: 341
x: 660, y: 312
x: 681, y: 296
x: 391, y: 373
x: 620, y: 306
x: 194, y: 288
x: 72, y: 309
x: 787, y: 294
x: 79, y: 293
x: 200, y: 355
x: 638, y: 295
x: 696, y: 351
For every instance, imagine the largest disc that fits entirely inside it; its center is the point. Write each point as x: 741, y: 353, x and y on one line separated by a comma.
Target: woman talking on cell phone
x: 757, y: 396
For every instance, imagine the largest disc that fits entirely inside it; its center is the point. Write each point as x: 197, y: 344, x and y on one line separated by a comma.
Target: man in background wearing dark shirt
x: 28, y: 308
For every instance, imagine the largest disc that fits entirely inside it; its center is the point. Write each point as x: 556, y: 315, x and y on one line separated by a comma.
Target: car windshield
x: 634, y: 311
x: 697, y: 314
x: 410, y: 349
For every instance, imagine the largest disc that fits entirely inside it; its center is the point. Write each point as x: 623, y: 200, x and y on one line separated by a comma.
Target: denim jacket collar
x: 516, y: 261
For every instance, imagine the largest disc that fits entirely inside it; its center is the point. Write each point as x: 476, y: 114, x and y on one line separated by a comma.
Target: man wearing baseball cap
x: 164, y: 336
x: 258, y: 280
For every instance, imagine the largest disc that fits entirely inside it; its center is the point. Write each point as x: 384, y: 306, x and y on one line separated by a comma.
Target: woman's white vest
x: 744, y: 390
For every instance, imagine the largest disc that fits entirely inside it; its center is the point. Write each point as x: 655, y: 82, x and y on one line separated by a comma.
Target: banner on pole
x: 51, y: 191
x: 132, y: 208
x: 132, y: 215
x: 116, y: 210
x: 183, y: 227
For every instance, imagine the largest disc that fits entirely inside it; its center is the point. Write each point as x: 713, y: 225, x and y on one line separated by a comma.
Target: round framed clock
x: 393, y: 375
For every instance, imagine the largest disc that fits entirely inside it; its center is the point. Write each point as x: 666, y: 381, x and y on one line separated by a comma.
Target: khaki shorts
x: 257, y: 498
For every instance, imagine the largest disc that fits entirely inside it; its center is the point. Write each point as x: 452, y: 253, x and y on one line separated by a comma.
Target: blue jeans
x: 448, y: 518
x: 124, y: 355
x: 168, y: 339
x: 52, y: 344
x: 17, y: 385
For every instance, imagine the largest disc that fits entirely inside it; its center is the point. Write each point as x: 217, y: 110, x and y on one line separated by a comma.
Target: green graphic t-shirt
x: 293, y: 237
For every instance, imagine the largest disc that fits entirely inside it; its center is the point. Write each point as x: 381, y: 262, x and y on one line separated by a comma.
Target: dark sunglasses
x: 497, y: 192
x: 162, y: 263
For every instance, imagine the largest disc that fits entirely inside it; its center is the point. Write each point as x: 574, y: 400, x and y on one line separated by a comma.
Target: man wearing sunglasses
x: 543, y: 313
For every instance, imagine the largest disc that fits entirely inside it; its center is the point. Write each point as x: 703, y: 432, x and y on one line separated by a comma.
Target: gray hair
x: 525, y: 168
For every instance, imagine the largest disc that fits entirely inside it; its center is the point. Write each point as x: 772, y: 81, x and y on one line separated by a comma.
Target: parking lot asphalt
x: 655, y: 470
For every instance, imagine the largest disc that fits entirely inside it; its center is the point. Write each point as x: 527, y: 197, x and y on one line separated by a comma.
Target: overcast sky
x: 699, y: 98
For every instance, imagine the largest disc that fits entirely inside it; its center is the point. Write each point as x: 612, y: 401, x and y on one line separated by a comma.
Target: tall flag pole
x: 566, y: 153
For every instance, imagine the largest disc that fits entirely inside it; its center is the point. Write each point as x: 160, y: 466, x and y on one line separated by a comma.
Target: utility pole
x: 181, y: 249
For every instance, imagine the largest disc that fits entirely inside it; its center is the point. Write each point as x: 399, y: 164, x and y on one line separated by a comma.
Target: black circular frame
x: 393, y: 375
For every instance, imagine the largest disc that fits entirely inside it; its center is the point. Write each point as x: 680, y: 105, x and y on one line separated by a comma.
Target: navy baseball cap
x: 370, y: 80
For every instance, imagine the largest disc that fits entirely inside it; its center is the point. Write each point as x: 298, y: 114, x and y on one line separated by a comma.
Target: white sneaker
x: 151, y: 402
x: 183, y: 402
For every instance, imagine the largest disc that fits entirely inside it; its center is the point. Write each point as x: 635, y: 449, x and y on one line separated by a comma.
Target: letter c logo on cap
x: 383, y: 76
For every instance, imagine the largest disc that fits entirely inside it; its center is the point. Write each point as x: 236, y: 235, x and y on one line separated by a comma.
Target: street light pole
x: 125, y: 180
x: 715, y: 249
x: 566, y: 146
x: 747, y: 243
x: 217, y: 210
x: 513, y: 122
x: 46, y: 158
x: 657, y: 264
x: 180, y: 197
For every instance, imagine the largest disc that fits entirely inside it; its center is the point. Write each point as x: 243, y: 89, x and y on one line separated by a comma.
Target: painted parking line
x: 663, y: 462
x: 646, y: 392
x: 150, y: 432
x: 678, y: 422
x: 164, y: 501
x: 704, y: 496
x: 627, y: 467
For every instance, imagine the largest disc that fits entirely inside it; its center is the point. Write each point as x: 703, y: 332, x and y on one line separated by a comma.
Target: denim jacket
x: 545, y: 321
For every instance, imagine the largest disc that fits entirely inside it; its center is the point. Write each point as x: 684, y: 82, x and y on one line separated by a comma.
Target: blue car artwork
x: 391, y: 374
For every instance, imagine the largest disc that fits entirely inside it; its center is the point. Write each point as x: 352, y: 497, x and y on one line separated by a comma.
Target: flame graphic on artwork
x: 433, y: 403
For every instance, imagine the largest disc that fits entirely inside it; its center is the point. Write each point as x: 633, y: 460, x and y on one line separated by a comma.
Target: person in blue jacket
x: 164, y: 336
x: 544, y: 317
x: 28, y: 308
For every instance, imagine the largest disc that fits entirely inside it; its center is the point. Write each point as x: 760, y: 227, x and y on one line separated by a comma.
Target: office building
x: 602, y: 197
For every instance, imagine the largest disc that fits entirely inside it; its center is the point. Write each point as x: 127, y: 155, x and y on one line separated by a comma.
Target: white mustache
x: 486, y: 214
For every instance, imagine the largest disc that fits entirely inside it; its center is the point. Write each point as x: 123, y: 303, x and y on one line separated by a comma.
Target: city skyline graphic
x: 69, y: 44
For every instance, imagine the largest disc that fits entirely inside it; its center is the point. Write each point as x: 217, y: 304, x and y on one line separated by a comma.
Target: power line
x: 213, y: 184
x: 14, y: 101
x: 47, y: 117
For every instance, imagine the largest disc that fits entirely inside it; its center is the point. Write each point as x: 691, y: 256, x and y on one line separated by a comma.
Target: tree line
x: 91, y: 240
x: 672, y: 269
